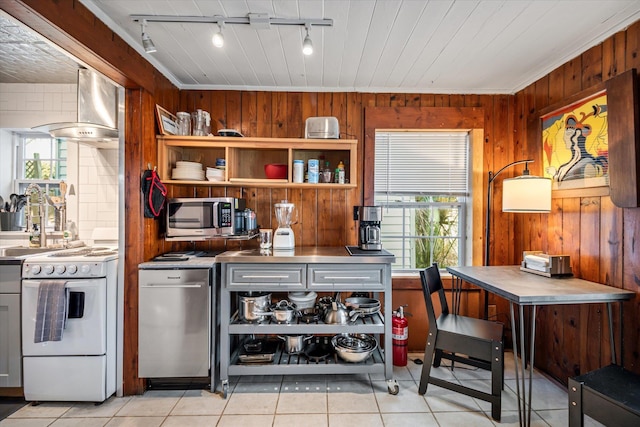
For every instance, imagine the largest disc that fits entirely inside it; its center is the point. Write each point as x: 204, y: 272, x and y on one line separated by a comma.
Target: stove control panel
x: 66, y: 269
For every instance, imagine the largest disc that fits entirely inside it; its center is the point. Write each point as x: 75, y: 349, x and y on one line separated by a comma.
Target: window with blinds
x: 422, y: 182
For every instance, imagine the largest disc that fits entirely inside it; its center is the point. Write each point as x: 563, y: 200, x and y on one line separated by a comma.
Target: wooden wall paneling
x: 310, y: 107
x: 354, y: 127
x: 572, y: 78
x: 502, y: 229
x: 307, y: 231
x: 325, y: 104
x: 397, y: 100
x: 135, y: 247
x: 441, y: 100
x: 611, y: 259
x: 339, y: 108
x: 592, y: 66
x: 249, y: 115
x: 413, y: 100
x: 427, y: 100
x: 632, y: 48
x: 456, y: 100
x: 327, y: 227
x: 590, y: 270
x: 472, y: 101
x: 218, y: 110
x: 383, y: 100
x: 234, y: 110
x: 264, y: 111
x: 556, y: 86
x: 631, y: 281
x: 295, y: 120
x: 279, y: 115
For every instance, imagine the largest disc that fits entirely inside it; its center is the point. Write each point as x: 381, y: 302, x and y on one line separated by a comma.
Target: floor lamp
x: 523, y: 194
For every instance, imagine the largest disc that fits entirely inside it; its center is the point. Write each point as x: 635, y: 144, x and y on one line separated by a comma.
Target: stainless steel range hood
x: 97, y: 114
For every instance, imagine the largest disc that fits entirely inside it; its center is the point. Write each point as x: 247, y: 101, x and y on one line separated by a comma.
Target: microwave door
x: 215, y: 213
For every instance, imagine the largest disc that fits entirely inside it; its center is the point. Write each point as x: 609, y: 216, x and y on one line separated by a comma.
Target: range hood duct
x: 97, y: 114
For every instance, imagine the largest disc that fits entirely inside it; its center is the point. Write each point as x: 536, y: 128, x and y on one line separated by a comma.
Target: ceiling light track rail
x: 247, y: 20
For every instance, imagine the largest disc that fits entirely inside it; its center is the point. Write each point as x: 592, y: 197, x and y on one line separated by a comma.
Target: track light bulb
x: 147, y: 43
x: 218, y: 38
x: 307, y: 46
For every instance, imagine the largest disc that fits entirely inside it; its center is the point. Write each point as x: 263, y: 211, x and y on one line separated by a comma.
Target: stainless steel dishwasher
x: 174, y: 321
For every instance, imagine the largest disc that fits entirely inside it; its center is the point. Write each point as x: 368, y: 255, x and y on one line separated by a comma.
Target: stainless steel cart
x: 318, y: 269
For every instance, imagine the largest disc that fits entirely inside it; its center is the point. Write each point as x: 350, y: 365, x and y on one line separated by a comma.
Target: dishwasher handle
x: 172, y: 285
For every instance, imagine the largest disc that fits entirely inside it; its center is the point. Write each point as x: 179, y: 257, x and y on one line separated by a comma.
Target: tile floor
x: 311, y: 401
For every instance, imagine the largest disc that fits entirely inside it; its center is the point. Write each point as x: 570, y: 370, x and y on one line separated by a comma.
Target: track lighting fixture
x: 307, y: 46
x: 258, y: 21
x: 218, y: 38
x: 147, y: 43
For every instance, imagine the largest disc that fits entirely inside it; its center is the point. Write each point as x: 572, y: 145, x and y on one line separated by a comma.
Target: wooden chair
x: 468, y: 340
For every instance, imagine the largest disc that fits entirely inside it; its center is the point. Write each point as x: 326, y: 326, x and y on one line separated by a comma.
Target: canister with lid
x: 298, y: 170
x: 314, y: 171
x: 184, y: 123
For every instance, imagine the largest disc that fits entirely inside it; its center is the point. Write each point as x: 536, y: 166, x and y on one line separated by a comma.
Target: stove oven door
x: 85, y: 331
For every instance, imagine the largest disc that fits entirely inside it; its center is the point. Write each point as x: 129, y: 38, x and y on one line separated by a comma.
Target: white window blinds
x: 422, y: 162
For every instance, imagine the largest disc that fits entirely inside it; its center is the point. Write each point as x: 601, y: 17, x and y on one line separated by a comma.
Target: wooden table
x: 527, y: 289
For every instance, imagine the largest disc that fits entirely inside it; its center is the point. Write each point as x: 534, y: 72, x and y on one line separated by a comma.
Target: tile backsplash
x: 93, y: 172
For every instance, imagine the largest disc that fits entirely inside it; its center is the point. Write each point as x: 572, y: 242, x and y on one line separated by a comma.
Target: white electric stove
x: 82, y: 365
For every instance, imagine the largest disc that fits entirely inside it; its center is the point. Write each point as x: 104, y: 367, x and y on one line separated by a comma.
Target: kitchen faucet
x: 33, y: 187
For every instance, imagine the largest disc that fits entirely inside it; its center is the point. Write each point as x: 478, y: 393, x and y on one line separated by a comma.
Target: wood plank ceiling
x: 413, y: 46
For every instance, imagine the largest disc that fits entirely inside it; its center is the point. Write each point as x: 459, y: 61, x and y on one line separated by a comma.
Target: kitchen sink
x: 22, y: 250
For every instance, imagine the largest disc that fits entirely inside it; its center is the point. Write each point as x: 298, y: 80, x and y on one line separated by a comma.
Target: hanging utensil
x: 1, y: 204
x: 63, y: 189
x: 14, y: 202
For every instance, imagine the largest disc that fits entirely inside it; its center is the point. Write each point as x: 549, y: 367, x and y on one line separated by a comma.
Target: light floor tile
x: 191, y: 421
x: 108, y: 408
x: 257, y: 379
x: 26, y: 422
x: 135, y: 422
x: 509, y: 398
x: 152, y: 403
x: 253, y: 399
x: 400, y: 373
x: 199, y: 402
x: 306, y: 420
x: 442, y: 400
x: 81, y: 422
x: 246, y: 420
x: 351, y: 420
x: 466, y: 419
x: 421, y: 419
x: 546, y: 394
x: 302, y: 398
x: 43, y: 410
x: 407, y: 399
x: 511, y: 419
x: 351, y: 397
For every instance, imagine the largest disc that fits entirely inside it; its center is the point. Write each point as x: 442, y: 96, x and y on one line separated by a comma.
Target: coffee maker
x: 369, y: 229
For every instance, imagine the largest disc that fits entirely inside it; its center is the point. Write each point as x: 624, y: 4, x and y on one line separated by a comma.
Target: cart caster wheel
x: 225, y: 388
x: 393, y: 387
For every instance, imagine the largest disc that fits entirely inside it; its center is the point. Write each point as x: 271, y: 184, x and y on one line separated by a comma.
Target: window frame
x: 471, y: 119
x: 435, y: 183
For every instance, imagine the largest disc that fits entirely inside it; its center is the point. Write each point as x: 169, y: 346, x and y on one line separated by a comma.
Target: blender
x: 283, y: 237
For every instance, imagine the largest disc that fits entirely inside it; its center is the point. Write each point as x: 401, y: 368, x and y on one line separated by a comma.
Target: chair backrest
x: 432, y: 283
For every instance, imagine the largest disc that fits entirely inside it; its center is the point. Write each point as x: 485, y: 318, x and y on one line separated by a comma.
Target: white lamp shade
x: 526, y: 194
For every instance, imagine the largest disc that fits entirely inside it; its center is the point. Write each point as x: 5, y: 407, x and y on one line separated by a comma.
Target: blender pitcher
x: 284, y: 237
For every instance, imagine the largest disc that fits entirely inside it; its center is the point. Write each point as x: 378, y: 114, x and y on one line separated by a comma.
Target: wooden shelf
x: 245, y: 158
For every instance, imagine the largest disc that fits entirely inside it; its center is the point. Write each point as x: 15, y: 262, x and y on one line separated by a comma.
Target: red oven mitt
x: 155, y: 193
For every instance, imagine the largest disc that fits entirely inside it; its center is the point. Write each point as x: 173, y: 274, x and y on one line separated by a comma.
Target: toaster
x: 546, y: 265
x: 322, y: 127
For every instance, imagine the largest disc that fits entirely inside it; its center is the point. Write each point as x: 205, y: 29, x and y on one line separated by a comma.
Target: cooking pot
x: 254, y: 306
x: 284, y: 312
x: 294, y: 344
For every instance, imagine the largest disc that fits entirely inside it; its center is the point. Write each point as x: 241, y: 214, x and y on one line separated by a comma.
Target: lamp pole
x: 492, y: 177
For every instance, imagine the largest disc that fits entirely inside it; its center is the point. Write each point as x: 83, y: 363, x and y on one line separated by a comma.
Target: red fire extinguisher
x: 400, y: 337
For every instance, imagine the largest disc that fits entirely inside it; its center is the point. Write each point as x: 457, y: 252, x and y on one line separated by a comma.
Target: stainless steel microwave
x: 202, y: 218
